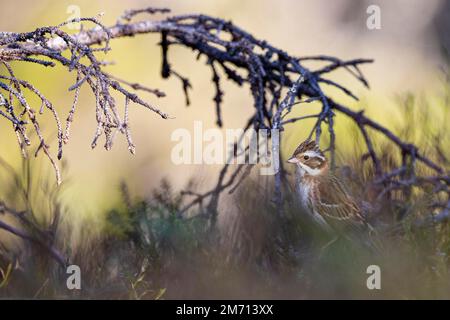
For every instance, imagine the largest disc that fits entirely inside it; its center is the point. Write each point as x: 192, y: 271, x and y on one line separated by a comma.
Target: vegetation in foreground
x: 150, y: 249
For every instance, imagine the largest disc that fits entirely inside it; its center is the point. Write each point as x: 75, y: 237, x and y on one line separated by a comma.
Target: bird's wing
x: 333, y: 202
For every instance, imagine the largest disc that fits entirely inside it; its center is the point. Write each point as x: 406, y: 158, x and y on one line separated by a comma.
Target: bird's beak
x: 292, y: 160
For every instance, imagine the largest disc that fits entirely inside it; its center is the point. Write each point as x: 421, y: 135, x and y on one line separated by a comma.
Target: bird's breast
x: 303, y: 190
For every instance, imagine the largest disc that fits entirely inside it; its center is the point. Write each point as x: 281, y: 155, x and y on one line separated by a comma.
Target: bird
x: 324, y: 195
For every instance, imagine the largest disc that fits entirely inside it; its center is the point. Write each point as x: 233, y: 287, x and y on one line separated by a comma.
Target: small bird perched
x: 323, y: 194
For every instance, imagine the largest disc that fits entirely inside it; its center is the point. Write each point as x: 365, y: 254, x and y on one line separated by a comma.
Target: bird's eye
x: 305, y: 157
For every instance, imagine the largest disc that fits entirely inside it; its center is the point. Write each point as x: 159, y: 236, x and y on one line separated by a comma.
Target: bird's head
x: 309, y: 159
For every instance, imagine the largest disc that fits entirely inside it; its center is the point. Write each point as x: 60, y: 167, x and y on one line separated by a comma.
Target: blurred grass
x: 139, y: 247
x: 148, y: 251
x: 144, y: 248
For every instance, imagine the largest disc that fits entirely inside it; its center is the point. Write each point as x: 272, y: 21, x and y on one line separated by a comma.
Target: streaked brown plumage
x: 322, y: 193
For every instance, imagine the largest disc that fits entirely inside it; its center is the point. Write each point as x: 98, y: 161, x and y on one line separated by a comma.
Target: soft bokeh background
x: 409, y: 51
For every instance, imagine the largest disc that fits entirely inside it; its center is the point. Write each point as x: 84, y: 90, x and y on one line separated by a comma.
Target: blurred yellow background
x: 407, y: 53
